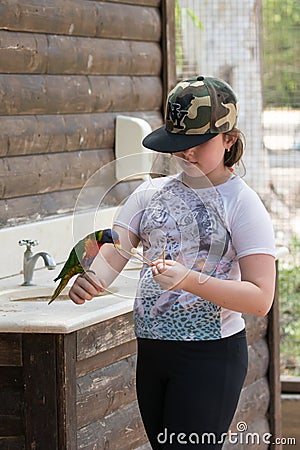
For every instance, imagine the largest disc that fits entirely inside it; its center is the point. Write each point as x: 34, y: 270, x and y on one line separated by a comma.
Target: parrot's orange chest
x: 91, y: 248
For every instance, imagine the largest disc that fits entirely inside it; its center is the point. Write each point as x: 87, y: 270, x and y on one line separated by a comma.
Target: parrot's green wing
x: 64, y: 281
x: 81, y: 256
x: 73, y: 260
x: 71, y: 267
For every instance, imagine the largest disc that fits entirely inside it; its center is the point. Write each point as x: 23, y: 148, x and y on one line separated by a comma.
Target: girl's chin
x: 192, y: 170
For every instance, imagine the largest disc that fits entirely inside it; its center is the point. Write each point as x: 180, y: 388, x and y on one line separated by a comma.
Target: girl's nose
x: 188, y: 153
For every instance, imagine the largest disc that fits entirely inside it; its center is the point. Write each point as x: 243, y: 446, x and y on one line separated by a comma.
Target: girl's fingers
x: 86, y: 287
x: 161, y: 266
x: 167, y: 262
x: 97, y: 284
x: 76, y: 299
x: 82, y: 293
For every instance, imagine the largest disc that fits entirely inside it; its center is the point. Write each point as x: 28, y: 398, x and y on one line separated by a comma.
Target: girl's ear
x: 229, y: 140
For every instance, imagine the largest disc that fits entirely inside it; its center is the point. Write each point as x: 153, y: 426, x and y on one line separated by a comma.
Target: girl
x: 212, y: 244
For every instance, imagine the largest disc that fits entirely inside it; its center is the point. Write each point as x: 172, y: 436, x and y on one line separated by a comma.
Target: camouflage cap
x: 197, y: 110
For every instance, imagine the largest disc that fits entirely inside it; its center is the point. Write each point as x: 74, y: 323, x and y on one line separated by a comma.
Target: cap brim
x: 163, y: 141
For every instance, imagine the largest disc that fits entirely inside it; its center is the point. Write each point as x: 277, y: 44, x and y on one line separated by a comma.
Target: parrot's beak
x: 115, y: 238
x: 117, y: 244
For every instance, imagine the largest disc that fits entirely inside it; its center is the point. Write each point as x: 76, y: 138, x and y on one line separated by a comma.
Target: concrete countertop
x: 25, y: 309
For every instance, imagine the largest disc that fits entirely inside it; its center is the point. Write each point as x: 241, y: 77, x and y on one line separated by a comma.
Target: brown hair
x: 234, y: 154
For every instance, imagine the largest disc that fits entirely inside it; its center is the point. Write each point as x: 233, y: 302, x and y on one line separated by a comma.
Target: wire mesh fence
x: 281, y: 94
x: 254, y: 45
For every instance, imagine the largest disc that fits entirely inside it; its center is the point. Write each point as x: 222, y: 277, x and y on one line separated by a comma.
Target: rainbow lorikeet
x: 82, y: 256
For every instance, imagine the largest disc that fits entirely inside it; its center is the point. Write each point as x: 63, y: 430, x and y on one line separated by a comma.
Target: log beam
x: 81, y: 18
x: 35, y: 134
x: 56, y: 54
x: 61, y: 94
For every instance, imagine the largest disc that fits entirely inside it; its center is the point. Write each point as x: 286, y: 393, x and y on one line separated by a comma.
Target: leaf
x: 194, y: 18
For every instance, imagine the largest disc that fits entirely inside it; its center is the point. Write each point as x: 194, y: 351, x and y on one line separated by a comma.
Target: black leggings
x: 188, y: 390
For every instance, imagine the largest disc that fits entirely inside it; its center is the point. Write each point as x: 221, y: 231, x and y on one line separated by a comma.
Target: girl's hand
x: 170, y: 274
x: 86, y: 287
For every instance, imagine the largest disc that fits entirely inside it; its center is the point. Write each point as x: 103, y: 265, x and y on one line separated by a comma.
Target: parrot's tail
x: 63, y: 283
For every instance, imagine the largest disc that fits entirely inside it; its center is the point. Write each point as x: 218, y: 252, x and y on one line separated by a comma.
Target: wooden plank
x: 12, y: 443
x: 11, y: 425
x: 291, y: 419
x: 290, y: 384
x: 61, y: 94
x: 154, y: 3
x: 258, y: 361
x: 168, y: 48
x: 11, y: 401
x: 66, y: 391
x: 10, y: 349
x: 40, y: 54
x: 122, y: 429
x: 11, y: 377
x: 256, y: 327
x: 81, y: 18
x: 104, y: 336
x: 103, y: 391
x: 22, y: 50
x: 39, y: 361
x: 33, y: 134
x: 24, y: 175
x: 20, y: 210
x: 105, y: 358
x: 274, y: 366
x: 253, y: 402
x: 25, y: 209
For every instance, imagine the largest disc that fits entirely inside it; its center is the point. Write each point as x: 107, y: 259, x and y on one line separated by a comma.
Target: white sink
x: 42, y: 294
x: 29, y: 293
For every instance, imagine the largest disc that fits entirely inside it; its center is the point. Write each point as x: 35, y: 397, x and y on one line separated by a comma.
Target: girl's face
x: 207, y: 159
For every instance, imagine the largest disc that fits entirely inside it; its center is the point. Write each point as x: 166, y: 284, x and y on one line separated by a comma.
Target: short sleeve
x: 131, y: 211
x: 130, y: 214
x: 250, y: 225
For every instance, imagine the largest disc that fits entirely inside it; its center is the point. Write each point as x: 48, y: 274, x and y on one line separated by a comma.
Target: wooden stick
x: 163, y: 257
x: 137, y: 256
x: 144, y: 258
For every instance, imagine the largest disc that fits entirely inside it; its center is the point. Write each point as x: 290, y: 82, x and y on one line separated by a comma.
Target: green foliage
x: 281, y: 53
x: 195, y: 19
x: 289, y: 292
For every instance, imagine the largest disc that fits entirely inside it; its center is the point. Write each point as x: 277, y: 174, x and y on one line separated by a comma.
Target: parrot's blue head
x: 109, y: 237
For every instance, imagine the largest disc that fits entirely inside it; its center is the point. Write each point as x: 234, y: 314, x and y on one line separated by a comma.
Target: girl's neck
x: 207, y: 181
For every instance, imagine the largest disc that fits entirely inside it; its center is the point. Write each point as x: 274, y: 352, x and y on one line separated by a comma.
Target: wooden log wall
x: 67, y: 69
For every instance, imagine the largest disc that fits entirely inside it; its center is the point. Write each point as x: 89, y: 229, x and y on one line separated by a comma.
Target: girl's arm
x: 252, y: 295
x: 106, y: 267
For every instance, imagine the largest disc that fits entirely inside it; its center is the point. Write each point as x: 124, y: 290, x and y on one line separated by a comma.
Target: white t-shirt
x: 204, y: 229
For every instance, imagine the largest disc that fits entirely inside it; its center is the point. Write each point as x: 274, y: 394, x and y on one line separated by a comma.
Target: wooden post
x: 274, y: 369
x: 66, y: 391
x: 168, y: 47
x: 40, y: 408
x: 49, y: 391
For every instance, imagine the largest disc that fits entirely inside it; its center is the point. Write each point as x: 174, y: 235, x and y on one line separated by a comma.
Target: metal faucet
x: 30, y: 260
